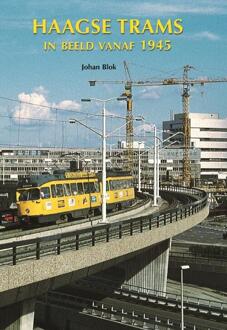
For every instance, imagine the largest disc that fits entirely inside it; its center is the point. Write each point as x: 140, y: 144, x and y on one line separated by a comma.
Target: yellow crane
x: 128, y: 165
x: 186, y: 82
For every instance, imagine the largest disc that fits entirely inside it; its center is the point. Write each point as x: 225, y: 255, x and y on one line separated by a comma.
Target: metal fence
x: 206, y: 307
x: 115, y: 313
x: 14, y: 252
x: 211, y: 259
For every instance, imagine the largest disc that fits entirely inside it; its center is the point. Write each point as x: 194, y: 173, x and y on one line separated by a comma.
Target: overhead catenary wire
x: 36, y: 119
x: 173, y: 72
x: 60, y: 109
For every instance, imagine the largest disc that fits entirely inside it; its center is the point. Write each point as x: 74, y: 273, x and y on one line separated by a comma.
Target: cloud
x: 25, y: 112
x: 35, y: 106
x: 205, y: 35
x: 68, y: 105
x: 150, y: 93
x: 141, y: 129
x: 41, y: 90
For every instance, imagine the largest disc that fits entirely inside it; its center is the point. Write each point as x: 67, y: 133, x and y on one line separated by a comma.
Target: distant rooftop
x: 198, y: 115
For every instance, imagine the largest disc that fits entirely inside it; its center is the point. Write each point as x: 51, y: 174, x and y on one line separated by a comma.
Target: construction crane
x: 186, y: 82
x: 128, y: 164
x: 129, y: 120
x: 186, y: 126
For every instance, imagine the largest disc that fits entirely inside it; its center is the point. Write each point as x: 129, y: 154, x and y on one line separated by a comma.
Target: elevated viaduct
x: 32, y: 267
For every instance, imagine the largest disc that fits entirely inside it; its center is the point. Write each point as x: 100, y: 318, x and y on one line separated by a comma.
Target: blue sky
x: 55, y: 78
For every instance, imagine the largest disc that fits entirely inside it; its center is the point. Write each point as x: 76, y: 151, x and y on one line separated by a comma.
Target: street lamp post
x: 155, y: 167
x: 78, y: 160
x: 103, y: 136
x: 183, y: 267
x: 157, y: 171
x: 139, y: 168
x: 3, y: 170
x: 160, y: 142
x: 104, y: 162
x: 156, y: 162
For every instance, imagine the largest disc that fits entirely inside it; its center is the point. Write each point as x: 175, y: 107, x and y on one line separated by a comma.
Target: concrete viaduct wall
x: 142, y: 250
x: 32, y: 278
x: 210, y: 273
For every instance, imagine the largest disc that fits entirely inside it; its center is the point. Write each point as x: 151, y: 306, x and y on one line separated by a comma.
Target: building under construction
x: 186, y: 82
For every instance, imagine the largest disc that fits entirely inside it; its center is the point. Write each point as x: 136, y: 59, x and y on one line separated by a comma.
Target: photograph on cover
x: 113, y: 164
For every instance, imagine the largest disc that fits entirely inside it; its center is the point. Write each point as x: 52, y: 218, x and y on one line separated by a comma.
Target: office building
x: 209, y: 134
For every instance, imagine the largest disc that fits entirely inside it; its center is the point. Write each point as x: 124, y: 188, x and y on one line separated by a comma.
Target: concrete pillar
x: 27, y: 314
x: 149, y: 269
x: 19, y: 316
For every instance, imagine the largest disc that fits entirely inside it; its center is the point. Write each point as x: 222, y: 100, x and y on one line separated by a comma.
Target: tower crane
x: 186, y: 83
x: 129, y: 117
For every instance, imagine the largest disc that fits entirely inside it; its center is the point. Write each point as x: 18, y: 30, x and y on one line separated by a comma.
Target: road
x: 196, y: 291
x: 202, y: 234
x: 140, y: 309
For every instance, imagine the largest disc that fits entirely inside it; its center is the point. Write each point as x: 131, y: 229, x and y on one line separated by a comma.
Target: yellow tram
x: 49, y: 198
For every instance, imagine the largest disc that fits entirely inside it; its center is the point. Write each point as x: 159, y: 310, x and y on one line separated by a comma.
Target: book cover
x: 153, y: 68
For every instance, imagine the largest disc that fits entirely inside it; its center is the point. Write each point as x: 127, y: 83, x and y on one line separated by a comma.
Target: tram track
x: 143, y: 200
x: 169, y: 202
x: 37, y: 245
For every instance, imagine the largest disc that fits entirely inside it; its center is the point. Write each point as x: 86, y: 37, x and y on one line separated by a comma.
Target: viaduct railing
x: 128, y: 292
x: 14, y: 252
x: 210, y: 259
x: 113, y: 312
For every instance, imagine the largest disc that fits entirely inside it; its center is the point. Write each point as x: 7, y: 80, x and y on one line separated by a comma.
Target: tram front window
x: 23, y: 195
x: 29, y: 195
x: 34, y: 194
